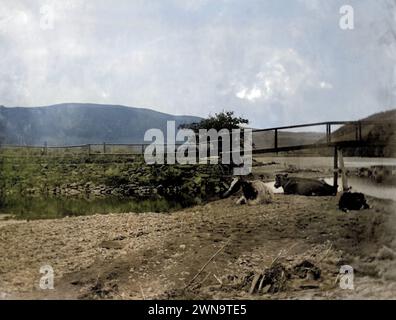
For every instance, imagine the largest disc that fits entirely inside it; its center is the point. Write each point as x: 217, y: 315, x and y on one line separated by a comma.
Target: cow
x: 304, y: 186
x: 352, y: 201
x: 254, y: 192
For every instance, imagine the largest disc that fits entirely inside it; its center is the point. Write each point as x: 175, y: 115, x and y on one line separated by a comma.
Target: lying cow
x: 352, y: 201
x: 304, y: 186
x: 254, y: 192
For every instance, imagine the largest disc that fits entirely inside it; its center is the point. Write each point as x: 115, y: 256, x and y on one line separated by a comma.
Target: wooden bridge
x: 327, y: 141
x: 352, y: 138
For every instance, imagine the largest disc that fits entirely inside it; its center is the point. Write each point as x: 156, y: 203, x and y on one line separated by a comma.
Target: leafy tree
x: 222, y: 120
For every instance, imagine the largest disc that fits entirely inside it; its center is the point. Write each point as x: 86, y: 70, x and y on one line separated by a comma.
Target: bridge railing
x: 310, y: 136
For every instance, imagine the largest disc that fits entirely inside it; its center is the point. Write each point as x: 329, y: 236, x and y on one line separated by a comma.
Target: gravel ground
x: 151, y: 255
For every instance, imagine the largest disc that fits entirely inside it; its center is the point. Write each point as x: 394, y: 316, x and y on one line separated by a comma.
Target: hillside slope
x: 378, y: 129
x: 75, y: 123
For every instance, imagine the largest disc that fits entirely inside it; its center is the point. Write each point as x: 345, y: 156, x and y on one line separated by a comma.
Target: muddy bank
x: 136, y: 256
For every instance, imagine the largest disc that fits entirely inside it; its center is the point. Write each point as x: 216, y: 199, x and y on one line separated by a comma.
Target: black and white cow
x: 254, y: 192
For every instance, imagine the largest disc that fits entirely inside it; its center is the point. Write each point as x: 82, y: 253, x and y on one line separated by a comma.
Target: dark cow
x: 352, y: 201
x: 303, y: 186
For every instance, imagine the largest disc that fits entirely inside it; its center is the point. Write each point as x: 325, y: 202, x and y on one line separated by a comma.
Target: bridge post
x: 343, y: 171
x: 360, y: 131
x: 328, y: 132
x: 335, y: 182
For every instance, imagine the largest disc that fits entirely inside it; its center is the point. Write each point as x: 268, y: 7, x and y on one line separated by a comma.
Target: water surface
x: 40, y: 207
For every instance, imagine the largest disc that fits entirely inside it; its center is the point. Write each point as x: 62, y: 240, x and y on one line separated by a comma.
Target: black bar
x: 305, y: 125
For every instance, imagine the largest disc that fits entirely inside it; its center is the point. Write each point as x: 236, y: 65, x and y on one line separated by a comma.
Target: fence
x: 270, y: 140
x: 86, y: 149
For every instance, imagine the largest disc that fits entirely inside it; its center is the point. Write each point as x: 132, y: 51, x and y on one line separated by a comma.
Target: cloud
x: 279, y: 78
x: 272, y: 62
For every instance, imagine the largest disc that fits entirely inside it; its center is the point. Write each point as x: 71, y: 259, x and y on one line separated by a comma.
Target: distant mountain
x: 77, y: 123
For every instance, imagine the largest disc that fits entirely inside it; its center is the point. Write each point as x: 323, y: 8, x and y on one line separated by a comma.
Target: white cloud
x: 198, y: 57
x: 325, y: 85
x: 284, y: 73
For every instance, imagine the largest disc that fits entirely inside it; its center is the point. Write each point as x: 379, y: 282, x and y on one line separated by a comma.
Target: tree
x: 222, y: 120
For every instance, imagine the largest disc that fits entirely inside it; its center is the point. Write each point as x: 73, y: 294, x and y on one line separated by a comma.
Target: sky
x: 275, y: 62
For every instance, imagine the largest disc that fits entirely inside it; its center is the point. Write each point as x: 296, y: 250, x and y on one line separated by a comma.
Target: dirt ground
x: 148, y: 256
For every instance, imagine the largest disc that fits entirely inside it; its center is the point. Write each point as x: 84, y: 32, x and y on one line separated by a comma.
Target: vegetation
x: 65, y: 184
x: 222, y: 120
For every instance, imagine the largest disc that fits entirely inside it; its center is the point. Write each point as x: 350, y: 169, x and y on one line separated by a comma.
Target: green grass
x: 58, y: 207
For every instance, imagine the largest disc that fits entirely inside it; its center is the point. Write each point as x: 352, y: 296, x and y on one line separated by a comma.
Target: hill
x: 378, y: 129
x: 76, y: 123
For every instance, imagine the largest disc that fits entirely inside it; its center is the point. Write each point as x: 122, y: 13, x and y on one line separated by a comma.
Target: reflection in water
x: 58, y: 207
x: 368, y: 162
x: 369, y: 187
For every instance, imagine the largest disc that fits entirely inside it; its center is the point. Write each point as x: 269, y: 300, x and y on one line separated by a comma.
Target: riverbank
x: 148, y: 255
x: 47, y: 187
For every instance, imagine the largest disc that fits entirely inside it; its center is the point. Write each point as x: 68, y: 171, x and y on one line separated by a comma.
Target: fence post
x: 276, y: 140
x: 45, y: 147
x: 104, y: 147
x: 89, y: 149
